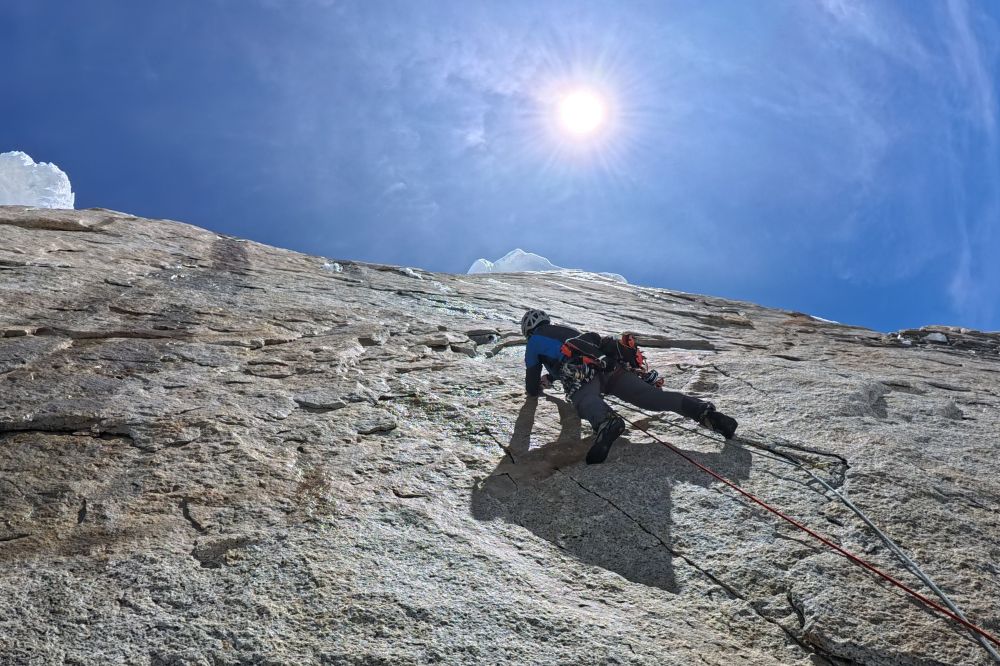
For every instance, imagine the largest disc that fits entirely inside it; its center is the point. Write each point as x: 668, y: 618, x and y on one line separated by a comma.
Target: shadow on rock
x: 616, y: 515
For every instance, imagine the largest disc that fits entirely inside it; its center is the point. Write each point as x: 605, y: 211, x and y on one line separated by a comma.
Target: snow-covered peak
x: 513, y: 262
x: 23, y: 182
x: 481, y: 266
x: 518, y: 260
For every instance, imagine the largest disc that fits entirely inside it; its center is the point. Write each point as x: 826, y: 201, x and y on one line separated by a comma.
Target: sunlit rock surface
x: 218, y: 452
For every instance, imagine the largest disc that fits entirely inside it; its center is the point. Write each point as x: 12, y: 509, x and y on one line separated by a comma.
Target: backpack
x: 588, y: 353
x: 586, y: 349
x: 604, y: 353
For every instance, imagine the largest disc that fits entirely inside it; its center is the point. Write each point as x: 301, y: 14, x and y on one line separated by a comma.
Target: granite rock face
x: 218, y: 452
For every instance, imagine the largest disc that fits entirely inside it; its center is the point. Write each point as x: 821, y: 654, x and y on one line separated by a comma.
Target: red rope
x: 850, y: 556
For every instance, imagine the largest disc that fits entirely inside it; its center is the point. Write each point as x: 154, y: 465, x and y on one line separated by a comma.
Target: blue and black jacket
x: 544, y: 349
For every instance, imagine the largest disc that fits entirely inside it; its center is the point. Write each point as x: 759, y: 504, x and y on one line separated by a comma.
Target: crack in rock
x: 186, y: 512
x: 674, y: 553
x: 15, y: 537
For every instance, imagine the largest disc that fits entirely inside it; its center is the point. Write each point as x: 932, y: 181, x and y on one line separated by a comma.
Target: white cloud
x: 474, y: 137
x: 398, y: 186
x: 26, y: 183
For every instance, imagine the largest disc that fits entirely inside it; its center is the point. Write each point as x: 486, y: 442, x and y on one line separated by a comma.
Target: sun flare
x: 584, y: 121
x: 582, y: 112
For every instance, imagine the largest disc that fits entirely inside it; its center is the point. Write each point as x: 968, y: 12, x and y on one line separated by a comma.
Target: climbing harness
x: 954, y: 614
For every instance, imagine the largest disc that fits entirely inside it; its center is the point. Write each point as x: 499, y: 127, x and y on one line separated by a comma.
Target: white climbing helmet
x: 531, y: 319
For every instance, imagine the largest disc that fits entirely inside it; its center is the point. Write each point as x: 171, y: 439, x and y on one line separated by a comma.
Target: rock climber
x: 590, y: 365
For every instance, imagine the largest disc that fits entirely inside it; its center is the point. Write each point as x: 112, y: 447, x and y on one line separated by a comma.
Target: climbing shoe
x: 719, y: 422
x: 608, y: 431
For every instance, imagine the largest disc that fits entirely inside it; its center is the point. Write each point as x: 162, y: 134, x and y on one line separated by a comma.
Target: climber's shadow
x: 616, y: 515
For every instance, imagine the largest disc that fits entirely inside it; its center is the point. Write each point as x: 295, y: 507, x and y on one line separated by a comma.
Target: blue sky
x: 837, y: 157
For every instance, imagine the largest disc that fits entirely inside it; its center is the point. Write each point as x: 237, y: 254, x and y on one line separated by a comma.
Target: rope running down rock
x: 953, y: 614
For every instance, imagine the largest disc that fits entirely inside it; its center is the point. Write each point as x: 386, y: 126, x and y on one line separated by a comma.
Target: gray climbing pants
x: 628, y: 386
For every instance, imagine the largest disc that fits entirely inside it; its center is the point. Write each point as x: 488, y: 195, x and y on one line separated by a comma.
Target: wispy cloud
x: 856, y: 139
x: 970, y: 67
x: 975, y: 282
x: 957, y: 213
x: 883, y: 28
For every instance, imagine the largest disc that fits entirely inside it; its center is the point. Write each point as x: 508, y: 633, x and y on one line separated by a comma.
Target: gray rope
x: 890, y: 544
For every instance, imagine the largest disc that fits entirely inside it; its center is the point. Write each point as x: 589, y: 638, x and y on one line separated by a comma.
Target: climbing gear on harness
x: 531, y: 319
x: 622, y: 352
x: 574, y: 373
x: 608, y: 431
x: 582, y: 360
x: 954, y: 614
x: 631, y: 357
x: 629, y: 352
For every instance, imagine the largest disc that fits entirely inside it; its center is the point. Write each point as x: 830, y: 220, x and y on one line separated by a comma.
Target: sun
x: 582, y: 112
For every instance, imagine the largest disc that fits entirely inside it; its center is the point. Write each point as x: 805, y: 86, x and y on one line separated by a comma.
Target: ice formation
x: 27, y: 183
x: 518, y: 260
x: 513, y: 262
